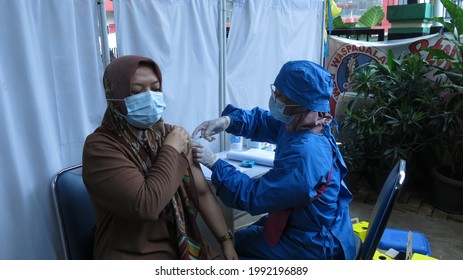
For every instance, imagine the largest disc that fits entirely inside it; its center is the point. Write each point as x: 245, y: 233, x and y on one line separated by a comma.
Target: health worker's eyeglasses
x: 274, y: 97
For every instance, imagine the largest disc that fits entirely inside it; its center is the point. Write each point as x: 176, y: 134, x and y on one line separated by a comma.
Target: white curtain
x: 182, y: 37
x: 263, y: 36
x: 50, y: 99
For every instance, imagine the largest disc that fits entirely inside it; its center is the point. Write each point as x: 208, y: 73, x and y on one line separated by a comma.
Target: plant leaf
x: 338, y: 23
x: 371, y: 17
x: 390, y: 59
x: 456, y: 13
x: 439, y: 54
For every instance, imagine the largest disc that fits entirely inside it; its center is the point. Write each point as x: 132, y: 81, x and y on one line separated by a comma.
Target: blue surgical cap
x: 306, y: 83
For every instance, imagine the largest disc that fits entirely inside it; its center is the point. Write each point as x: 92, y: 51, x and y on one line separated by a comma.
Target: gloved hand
x: 203, y: 155
x: 211, y: 127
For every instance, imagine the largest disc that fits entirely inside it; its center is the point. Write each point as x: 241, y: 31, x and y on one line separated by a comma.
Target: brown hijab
x: 116, y: 79
x: 309, y: 120
x: 304, y: 119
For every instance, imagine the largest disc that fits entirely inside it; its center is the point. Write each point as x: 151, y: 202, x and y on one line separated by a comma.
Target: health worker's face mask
x: 144, y: 109
x: 276, y: 109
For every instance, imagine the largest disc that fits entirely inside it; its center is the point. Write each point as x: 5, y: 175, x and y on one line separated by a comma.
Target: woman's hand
x: 229, y: 250
x: 178, y: 138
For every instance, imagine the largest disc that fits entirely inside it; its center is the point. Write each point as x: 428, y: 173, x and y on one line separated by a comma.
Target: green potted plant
x: 354, y: 157
x: 395, y: 126
x: 447, y: 190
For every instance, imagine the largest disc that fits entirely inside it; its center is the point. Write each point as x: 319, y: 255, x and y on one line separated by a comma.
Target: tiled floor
x: 412, y: 212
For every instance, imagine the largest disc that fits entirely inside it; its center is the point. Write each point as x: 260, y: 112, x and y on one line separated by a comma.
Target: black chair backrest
x: 383, y: 209
x: 75, y: 214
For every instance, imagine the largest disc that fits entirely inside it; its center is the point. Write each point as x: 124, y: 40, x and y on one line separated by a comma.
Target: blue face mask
x: 276, y: 108
x: 145, y: 109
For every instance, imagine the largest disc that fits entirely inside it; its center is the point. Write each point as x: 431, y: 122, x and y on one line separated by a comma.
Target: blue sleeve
x: 278, y: 189
x: 301, y: 166
x: 256, y: 124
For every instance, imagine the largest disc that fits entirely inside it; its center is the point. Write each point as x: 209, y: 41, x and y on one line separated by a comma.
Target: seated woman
x: 140, y: 175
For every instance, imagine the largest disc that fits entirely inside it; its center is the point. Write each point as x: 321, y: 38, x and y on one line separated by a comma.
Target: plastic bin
x: 397, y: 239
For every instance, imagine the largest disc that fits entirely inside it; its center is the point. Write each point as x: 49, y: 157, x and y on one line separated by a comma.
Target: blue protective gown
x: 321, y: 229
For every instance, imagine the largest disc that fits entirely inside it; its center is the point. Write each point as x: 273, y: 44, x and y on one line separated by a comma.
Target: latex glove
x: 203, y: 155
x: 211, y: 127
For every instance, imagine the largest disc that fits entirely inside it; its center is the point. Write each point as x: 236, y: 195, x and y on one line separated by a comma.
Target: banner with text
x: 345, y: 55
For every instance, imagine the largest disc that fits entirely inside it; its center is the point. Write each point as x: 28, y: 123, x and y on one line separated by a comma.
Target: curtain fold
x: 182, y: 36
x: 51, y: 98
x: 263, y: 36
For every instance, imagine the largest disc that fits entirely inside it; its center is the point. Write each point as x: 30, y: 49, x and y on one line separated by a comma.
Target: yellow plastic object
x: 382, y: 257
x: 335, y: 10
x: 417, y: 256
x: 360, y: 229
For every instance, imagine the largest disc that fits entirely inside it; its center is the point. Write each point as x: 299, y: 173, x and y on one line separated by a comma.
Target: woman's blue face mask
x: 277, y: 108
x: 144, y: 109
